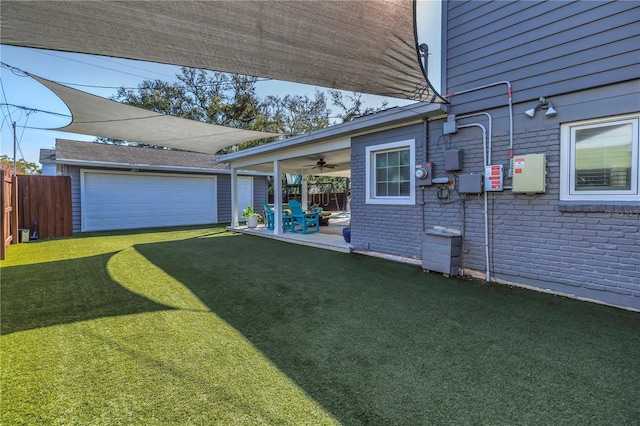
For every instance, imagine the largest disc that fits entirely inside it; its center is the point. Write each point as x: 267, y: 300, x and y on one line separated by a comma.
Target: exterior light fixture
x: 542, y: 104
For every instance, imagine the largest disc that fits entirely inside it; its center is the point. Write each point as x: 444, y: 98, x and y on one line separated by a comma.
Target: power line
x: 37, y: 110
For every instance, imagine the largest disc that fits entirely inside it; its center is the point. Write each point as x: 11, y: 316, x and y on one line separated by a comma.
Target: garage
x: 126, y: 200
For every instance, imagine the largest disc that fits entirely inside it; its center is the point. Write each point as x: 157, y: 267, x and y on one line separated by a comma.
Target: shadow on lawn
x: 375, y: 342
x: 55, y: 293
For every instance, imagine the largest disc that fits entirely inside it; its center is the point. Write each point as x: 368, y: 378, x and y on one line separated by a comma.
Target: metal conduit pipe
x: 486, y: 213
x: 509, y: 103
x: 489, y: 153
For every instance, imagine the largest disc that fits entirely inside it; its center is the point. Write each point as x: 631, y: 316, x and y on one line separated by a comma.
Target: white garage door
x: 114, y: 200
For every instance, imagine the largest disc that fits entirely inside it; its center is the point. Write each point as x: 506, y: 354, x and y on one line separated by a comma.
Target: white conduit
x: 509, y: 103
x: 486, y: 213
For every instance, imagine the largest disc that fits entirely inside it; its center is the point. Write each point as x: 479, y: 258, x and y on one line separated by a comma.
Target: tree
x: 23, y: 167
x: 352, y: 106
x: 231, y: 100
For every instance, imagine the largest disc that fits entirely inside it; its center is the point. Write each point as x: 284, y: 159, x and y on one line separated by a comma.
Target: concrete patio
x: 329, y: 237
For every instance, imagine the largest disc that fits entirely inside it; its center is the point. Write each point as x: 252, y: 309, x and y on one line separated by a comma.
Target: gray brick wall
x: 587, y: 251
x: 390, y: 229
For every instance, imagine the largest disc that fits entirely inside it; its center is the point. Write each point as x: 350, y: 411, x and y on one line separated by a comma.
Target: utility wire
x: 37, y: 110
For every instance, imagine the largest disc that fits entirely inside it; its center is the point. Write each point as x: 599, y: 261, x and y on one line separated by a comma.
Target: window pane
x: 405, y: 157
x: 603, y: 158
x: 405, y: 173
x: 381, y: 189
x: 393, y: 189
x: 381, y: 175
x: 405, y: 189
x: 394, y: 174
x: 381, y: 160
x: 394, y: 158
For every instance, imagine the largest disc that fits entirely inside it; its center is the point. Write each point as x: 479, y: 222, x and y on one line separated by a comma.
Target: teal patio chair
x: 307, y: 223
x: 268, y: 215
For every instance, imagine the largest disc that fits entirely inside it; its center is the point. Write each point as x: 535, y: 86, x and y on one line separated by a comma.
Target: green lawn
x: 201, y: 326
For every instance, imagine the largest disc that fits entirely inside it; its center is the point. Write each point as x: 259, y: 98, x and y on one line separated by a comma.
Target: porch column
x: 304, y: 191
x: 234, y: 197
x: 277, y: 197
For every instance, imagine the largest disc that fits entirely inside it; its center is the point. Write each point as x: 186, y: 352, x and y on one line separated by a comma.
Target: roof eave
x: 368, y: 123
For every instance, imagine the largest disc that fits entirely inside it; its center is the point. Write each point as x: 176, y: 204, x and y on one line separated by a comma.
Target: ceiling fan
x: 321, y: 164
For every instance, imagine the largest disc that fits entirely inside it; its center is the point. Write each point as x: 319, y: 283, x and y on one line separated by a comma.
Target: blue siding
x: 542, y: 48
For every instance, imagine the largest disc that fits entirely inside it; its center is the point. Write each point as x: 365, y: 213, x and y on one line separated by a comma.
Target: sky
x: 101, y: 76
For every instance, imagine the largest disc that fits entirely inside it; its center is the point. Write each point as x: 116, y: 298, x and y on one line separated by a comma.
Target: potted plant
x: 252, y: 217
x: 346, y: 233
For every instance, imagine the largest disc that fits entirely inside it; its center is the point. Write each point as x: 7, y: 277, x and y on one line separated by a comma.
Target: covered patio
x: 328, y: 237
x: 301, y: 155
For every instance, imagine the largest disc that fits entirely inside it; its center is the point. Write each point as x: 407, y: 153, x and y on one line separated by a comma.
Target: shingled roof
x: 121, y: 156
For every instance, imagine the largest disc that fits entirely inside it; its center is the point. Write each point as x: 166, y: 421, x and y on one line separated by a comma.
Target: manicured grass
x: 201, y: 326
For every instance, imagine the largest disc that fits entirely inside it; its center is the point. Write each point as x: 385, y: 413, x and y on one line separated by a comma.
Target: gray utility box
x: 441, y: 251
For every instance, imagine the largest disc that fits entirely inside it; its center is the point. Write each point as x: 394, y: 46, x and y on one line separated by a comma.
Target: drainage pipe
x: 486, y: 213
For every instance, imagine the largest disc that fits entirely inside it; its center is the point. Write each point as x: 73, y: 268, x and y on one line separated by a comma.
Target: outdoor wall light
x: 542, y: 104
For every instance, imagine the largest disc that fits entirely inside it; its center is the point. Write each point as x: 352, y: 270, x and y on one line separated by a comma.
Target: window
x: 390, y: 173
x: 600, y: 160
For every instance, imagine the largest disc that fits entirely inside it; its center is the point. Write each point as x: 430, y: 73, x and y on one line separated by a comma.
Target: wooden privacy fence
x: 9, y: 201
x: 47, y: 201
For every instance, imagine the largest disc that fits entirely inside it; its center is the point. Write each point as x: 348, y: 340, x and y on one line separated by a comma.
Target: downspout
x: 486, y: 213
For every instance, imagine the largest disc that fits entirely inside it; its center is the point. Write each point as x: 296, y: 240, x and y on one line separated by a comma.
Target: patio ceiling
x: 358, y: 45
x: 304, y: 164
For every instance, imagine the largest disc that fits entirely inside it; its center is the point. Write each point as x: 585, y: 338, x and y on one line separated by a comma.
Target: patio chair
x: 268, y: 215
x: 307, y: 223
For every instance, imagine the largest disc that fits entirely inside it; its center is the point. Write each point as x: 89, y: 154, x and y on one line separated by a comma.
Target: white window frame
x: 371, y: 152
x: 567, y: 161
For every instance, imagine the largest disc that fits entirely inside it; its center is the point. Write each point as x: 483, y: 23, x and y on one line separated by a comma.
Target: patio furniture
x: 268, y: 215
x: 307, y: 223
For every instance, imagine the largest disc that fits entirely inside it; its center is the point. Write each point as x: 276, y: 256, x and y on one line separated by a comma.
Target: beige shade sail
x: 364, y: 46
x: 93, y: 115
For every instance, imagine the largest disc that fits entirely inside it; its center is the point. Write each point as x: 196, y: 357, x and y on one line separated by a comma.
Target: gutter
x: 157, y: 168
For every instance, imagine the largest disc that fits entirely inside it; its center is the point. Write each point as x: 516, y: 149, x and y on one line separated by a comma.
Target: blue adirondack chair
x: 307, y: 223
x: 268, y: 214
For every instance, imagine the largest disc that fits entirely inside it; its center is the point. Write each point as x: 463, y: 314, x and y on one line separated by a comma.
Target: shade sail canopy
x: 363, y: 46
x: 93, y: 115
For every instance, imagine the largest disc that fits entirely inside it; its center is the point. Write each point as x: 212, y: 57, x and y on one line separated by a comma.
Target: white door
x: 116, y: 200
x: 245, y: 195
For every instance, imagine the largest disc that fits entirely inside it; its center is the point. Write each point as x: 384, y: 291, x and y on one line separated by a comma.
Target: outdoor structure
x: 122, y: 187
x: 527, y: 174
x: 534, y: 163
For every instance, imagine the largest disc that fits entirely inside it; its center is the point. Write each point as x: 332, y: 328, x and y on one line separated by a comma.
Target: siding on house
x: 534, y: 240
x: 389, y: 229
x: 542, y: 48
x: 260, y: 189
x: 76, y: 212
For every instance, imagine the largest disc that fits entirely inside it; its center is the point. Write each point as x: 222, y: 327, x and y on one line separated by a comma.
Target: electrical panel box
x: 529, y: 173
x: 423, y: 174
x: 449, y: 127
x: 470, y: 183
x: 493, y: 178
x: 453, y: 160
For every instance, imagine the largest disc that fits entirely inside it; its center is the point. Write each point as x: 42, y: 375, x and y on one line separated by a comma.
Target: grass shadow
x: 61, y: 292
x: 376, y: 342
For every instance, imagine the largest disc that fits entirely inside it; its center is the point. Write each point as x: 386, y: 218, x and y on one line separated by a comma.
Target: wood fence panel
x: 9, y: 202
x: 46, y: 200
